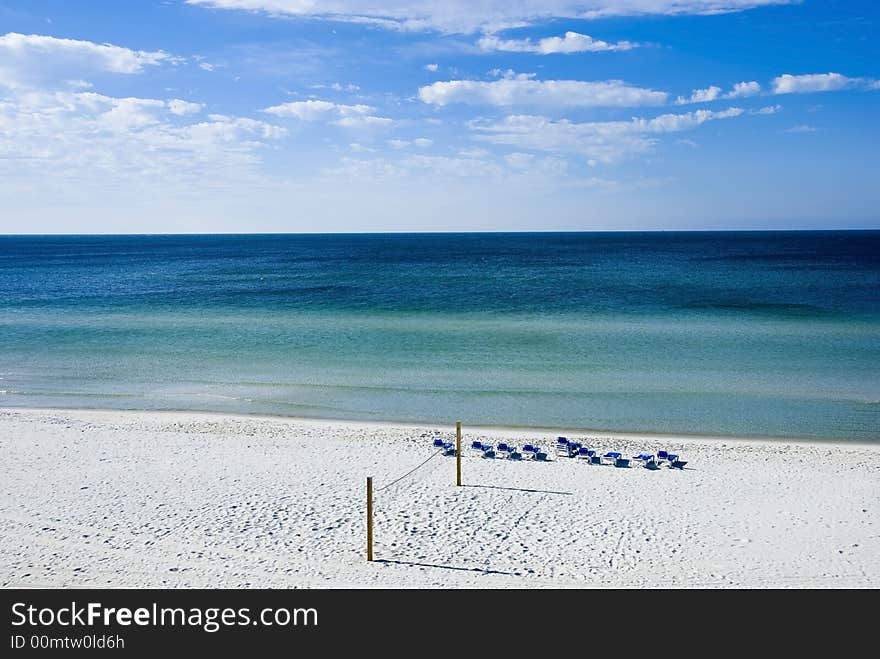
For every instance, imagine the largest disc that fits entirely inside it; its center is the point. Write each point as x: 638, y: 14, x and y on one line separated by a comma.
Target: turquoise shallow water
x: 757, y: 334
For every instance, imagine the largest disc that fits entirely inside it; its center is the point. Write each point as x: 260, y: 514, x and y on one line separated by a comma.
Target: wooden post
x: 458, y: 453
x: 369, y: 518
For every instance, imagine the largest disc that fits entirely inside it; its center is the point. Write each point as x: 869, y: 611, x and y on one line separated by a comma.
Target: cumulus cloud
x: 33, y: 59
x: 466, y: 16
x: 784, y: 84
x: 819, y: 82
x: 571, y: 42
x: 523, y: 90
x: 432, y: 67
x: 342, y: 115
x: 606, y: 141
x: 713, y: 92
x: 700, y: 96
x: 744, y: 89
x: 180, y: 108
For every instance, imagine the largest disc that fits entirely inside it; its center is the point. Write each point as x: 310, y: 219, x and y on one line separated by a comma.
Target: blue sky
x: 390, y: 115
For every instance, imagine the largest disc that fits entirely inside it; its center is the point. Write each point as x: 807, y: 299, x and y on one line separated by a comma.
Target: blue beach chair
x: 675, y: 463
x: 562, y: 446
x: 530, y: 451
x: 647, y: 460
x: 585, y: 453
x: 610, y: 457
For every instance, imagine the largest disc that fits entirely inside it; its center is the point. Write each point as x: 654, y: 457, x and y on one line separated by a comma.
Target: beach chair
x: 448, y: 448
x: 585, y: 453
x: 562, y: 446
x: 610, y: 457
x: 477, y: 447
x: 438, y: 443
x: 662, y: 455
x: 501, y: 451
x: 530, y: 451
x: 568, y: 450
x: 488, y: 451
x: 675, y: 463
x: 643, y: 458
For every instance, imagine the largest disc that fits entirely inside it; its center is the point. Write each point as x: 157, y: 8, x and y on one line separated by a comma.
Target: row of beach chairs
x: 502, y: 451
x: 571, y: 449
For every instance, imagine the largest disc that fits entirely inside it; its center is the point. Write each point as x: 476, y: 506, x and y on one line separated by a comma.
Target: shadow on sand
x: 519, y: 489
x: 447, y: 567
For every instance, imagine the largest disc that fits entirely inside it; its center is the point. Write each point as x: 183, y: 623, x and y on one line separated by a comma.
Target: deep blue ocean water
x: 756, y: 334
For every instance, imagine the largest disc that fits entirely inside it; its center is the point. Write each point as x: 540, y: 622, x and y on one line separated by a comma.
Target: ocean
x: 760, y: 334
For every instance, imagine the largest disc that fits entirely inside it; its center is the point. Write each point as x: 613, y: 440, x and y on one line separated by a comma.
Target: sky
x: 209, y: 116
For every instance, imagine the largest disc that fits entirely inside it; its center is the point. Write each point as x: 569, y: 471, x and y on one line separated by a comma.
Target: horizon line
x: 410, y: 233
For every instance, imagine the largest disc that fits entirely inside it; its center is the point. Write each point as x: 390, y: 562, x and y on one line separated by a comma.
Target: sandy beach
x: 162, y: 499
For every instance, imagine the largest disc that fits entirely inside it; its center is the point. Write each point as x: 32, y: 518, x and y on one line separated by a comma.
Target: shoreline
x: 486, y: 429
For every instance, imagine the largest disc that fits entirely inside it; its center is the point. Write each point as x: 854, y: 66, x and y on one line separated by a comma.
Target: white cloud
x: 819, y: 82
x: 800, y: 129
x: 180, y: 108
x: 421, y: 142
x: 338, y: 87
x: 342, y: 115
x: 466, y: 16
x: 713, y: 92
x: 571, y: 42
x: 743, y: 89
x: 769, y: 109
x: 85, y: 136
x: 30, y: 60
x: 519, y: 160
x: 607, y: 141
x: 525, y: 91
x: 432, y: 67
x: 451, y: 167
x: 519, y: 169
x: 473, y: 152
x: 784, y: 84
x: 365, y: 121
x: 700, y: 96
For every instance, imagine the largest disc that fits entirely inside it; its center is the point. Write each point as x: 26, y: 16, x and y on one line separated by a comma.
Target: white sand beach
x: 156, y: 499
